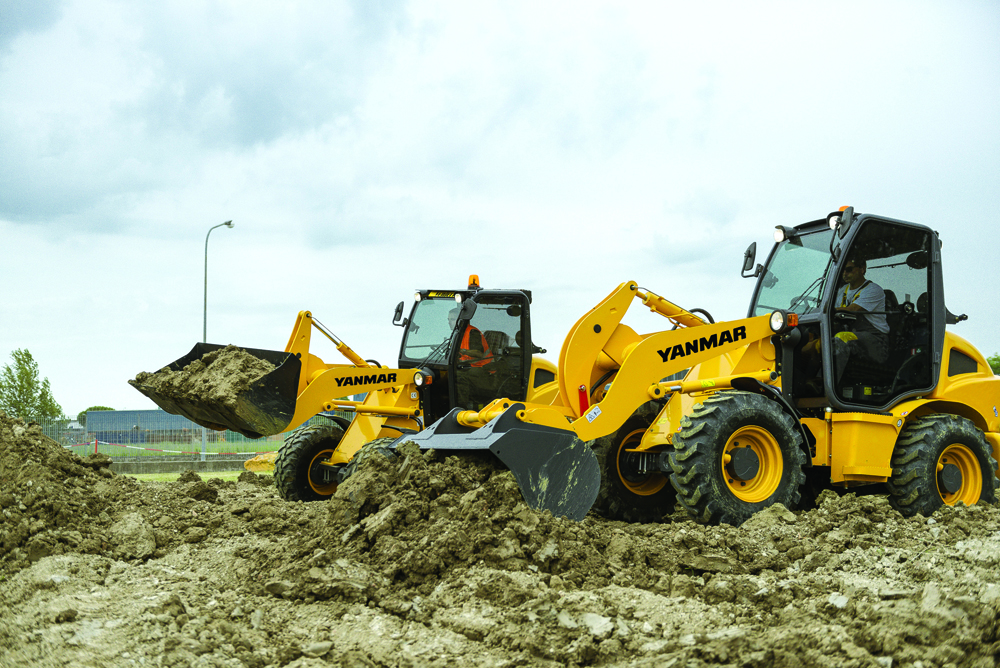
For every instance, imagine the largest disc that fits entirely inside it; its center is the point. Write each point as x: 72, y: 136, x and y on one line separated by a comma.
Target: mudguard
x: 555, y: 470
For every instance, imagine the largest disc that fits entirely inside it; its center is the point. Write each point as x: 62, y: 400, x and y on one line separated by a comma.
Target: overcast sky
x: 366, y: 149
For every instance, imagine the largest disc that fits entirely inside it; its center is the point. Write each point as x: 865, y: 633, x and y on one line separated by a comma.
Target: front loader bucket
x: 555, y: 470
x: 263, y: 409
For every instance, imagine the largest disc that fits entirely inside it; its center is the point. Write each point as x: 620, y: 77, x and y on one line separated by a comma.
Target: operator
x: 473, y: 345
x: 868, y: 338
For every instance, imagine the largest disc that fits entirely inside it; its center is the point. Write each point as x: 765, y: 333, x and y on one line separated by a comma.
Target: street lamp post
x: 204, y: 330
x: 204, y: 325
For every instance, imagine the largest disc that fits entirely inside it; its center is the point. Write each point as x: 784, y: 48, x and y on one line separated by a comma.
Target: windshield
x: 794, y: 277
x: 429, y: 331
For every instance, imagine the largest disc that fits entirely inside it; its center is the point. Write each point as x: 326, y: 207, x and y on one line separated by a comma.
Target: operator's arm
x: 853, y: 307
x: 872, y: 298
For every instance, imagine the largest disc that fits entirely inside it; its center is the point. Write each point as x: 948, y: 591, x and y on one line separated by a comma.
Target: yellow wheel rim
x: 971, y: 487
x: 645, y: 484
x: 325, y: 490
x: 765, y: 480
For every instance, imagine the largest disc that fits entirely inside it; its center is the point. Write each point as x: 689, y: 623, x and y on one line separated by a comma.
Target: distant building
x: 146, y: 426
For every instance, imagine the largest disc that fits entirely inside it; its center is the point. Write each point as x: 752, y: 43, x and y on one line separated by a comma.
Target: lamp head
x: 228, y: 223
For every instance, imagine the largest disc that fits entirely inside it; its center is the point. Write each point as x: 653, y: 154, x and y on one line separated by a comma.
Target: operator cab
x: 871, y: 355
x: 470, y: 346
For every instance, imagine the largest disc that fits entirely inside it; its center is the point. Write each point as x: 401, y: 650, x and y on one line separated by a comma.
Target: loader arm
x: 599, y: 343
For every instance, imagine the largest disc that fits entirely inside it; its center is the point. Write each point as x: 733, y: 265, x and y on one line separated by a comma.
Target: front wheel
x: 299, y: 472
x: 630, y: 490
x: 940, y: 460
x: 737, y: 453
x: 380, y: 447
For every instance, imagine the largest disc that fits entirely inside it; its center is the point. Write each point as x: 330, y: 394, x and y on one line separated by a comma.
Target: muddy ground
x: 437, y: 562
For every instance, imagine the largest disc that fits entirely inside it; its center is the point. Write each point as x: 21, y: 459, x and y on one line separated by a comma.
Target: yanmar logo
x: 366, y: 380
x: 704, y: 343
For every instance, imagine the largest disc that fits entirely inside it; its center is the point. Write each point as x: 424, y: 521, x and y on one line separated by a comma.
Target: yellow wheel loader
x: 460, y: 350
x: 842, y: 371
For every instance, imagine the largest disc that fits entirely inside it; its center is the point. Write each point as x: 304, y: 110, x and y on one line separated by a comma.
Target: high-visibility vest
x: 465, y: 345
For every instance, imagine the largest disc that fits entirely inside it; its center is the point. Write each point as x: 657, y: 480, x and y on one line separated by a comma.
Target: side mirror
x: 397, y: 318
x: 917, y: 260
x: 749, y: 257
x: 468, y: 310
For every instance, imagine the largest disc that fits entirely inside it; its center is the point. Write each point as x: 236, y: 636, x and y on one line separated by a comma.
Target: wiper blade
x: 805, y: 294
x: 438, y: 352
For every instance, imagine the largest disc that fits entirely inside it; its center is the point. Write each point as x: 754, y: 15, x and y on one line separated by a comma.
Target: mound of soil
x: 216, y: 378
x: 435, y: 561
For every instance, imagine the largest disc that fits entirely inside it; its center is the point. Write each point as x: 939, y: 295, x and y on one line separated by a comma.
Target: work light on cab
x: 782, y: 233
x: 781, y: 320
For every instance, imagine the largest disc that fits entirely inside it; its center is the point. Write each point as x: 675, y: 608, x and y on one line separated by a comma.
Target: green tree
x: 82, y: 415
x: 22, y: 395
x: 994, y: 363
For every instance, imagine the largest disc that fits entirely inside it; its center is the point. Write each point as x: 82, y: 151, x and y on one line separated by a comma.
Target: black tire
x: 754, y: 432
x: 916, y: 485
x: 377, y: 447
x: 625, y: 494
x: 294, y: 468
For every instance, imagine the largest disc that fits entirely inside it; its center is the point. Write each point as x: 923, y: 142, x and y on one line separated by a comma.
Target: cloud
x: 26, y: 17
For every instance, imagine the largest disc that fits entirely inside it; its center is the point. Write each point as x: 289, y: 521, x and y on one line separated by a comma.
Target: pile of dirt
x: 217, y: 378
x: 52, y: 501
x: 428, y: 560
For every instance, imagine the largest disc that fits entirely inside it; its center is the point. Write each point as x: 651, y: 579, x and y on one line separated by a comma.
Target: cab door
x: 490, y: 359
x: 879, y: 356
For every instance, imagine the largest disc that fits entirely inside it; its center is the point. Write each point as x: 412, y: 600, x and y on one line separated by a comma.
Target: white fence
x: 128, y: 436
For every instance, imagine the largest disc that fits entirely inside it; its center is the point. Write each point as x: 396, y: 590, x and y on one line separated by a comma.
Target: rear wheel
x: 627, y: 491
x: 737, y: 453
x: 299, y: 473
x: 941, y: 460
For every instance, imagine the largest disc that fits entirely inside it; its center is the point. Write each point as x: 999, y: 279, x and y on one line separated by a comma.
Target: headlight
x: 834, y: 220
x: 458, y: 297
x: 781, y: 321
x: 779, y: 235
x: 416, y: 296
x: 423, y: 377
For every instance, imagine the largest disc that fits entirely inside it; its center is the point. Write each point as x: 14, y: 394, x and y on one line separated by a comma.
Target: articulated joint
x: 648, y: 461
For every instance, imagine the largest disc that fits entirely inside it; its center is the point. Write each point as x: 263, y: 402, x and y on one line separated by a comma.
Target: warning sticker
x: 593, y: 413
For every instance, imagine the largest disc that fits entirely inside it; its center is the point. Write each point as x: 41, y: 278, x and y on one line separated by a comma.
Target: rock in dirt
x: 133, y: 537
